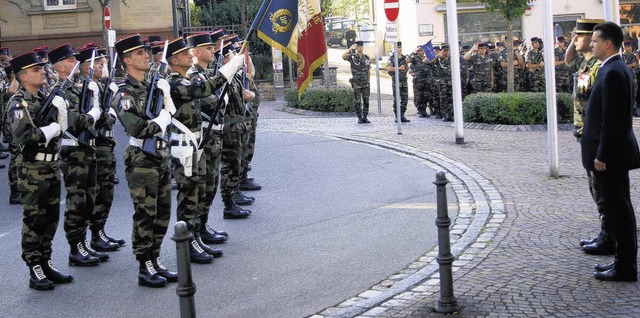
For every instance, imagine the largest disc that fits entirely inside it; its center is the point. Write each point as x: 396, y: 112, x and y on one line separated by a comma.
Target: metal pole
x: 174, y: 10
x: 454, y: 56
x: 397, y: 86
x: 447, y: 302
x: 550, y: 79
x: 375, y: 45
x: 608, y: 13
x: 186, y: 287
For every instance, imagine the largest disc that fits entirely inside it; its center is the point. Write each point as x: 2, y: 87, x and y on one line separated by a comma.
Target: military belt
x: 205, y: 124
x: 108, y: 133
x: 160, y: 144
x: 183, y: 139
x: 48, y: 157
x: 74, y: 143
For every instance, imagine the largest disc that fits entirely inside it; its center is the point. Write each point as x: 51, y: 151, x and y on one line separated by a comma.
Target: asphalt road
x: 334, y: 218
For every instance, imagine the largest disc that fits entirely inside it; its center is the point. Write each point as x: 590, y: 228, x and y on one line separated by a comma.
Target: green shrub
x: 515, y: 108
x: 322, y: 99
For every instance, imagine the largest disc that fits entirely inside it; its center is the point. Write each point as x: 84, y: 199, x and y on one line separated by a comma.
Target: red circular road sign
x: 391, y: 9
x: 107, y: 18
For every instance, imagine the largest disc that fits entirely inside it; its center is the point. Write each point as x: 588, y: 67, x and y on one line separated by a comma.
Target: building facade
x: 26, y: 24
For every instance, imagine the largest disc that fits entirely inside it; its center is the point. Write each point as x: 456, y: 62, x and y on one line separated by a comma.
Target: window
x: 59, y: 4
x: 482, y: 26
x: 630, y: 22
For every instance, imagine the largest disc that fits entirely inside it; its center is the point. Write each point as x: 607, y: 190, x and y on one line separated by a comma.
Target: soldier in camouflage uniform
x: 154, y: 46
x: 78, y: 156
x: 247, y: 183
x: 464, y: 71
x: 360, y: 68
x: 212, y: 143
x: 52, y: 77
x: 422, y: 78
x: 147, y: 174
x: 535, y: 65
x: 233, y: 142
x: 10, y: 88
x: 579, y: 58
x: 632, y: 62
x: 482, y: 64
x: 105, y: 161
x: 520, y: 82
x: 39, y: 175
x: 563, y: 73
x: 442, y: 75
x: 403, y: 67
x: 190, y: 170
x: 500, y: 72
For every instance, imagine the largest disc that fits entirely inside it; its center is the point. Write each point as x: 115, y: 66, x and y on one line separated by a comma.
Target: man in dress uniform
x: 147, y: 170
x: 403, y: 67
x: 360, y: 67
x: 39, y: 175
x: 579, y: 58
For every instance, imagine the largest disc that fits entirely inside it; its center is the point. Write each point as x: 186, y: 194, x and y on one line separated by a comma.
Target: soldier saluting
x: 360, y: 67
x: 39, y: 173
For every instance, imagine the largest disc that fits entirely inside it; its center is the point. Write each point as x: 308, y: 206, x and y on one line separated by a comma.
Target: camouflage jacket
x: 422, y: 71
x: 586, y: 74
x: 535, y: 57
x: 562, y: 70
x: 401, y: 61
x: 441, y: 68
x: 129, y: 104
x: 482, y: 67
x: 21, y: 108
x: 185, y: 91
x: 360, y: 66
x: 629, y: 58
x: 77, y: 122
x: 104, y: 124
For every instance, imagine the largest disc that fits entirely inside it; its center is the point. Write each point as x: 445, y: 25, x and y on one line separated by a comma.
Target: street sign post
x: 391, y: 10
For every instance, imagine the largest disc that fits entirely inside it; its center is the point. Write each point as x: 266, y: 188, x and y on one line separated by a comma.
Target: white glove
x: 163, y: 85
x: 231, y: 68
x: 95, y: 113
x: 112, y: 112
x: 113, y: 87
x: 168, y: 104
x: 93, y: 86
x: 51, y: 131
x: 163, y: 120
x: 61, y: 105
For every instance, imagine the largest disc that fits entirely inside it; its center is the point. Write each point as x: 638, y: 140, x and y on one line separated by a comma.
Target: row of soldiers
x: 202, y: 117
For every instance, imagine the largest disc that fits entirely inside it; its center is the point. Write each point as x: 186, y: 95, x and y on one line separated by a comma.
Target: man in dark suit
x: 610, y: 149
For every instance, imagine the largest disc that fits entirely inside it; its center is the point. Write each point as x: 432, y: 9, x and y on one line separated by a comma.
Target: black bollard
x: 186, y: 288
x: 447, y: 302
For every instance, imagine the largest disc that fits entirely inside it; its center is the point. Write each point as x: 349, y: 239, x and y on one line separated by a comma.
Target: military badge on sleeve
x: 18, y: 110
x: 125, y: 104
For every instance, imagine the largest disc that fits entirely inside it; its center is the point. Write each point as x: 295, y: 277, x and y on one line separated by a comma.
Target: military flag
x: 295, y: 28
x: 429, y: 51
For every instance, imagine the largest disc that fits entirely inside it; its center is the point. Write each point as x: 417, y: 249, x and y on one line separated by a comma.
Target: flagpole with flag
x: 296, y: 29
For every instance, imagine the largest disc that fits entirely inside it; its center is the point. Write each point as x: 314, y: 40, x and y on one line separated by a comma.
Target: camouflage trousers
x: 599, y: 201
x: 421, y: 94
x: 501, y: 83
x: 12, y: 172
x: 39, y: 183
x: 150, y: 189
x: 189, y: 190
x: 361, y: 95
x: 79, y: 171
x: 536, y: 81
x: 564, y: 83
x: 250, y: 148
x: 446, y: 97
x: 233, y: 141
x: 212, y: 155
x: 105, y: 172
x: 435, y: 96
x: 404, y: 96
x: 481, y: 85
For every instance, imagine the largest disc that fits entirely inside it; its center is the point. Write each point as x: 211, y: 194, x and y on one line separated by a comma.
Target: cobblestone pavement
x: 517, y: 231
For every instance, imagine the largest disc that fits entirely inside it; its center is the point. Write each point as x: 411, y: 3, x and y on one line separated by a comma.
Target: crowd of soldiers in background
x: 205, y: 127
x: 484, y: 69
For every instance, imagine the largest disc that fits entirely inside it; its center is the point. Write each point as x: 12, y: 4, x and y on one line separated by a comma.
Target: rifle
x: 155, y: 103
x: 217, y: 115
x: 86, y: 103
x: 107, y: 97
x: 48, y: 113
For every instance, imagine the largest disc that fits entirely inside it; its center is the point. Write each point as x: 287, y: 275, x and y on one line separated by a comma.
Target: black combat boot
x: 103, y: 257
x: 365, y: 120
x: 215, y: 252
x: 116, y: 180
x: 120, y: 242
x: 80, y: 257
x: 171, y: 277
x: 100, y: 242
x: 37, y: 279
x: 209, y: 236
x: 359, y: 118
x: 233, y: 211
x: 248, y: 184
x: 197, y: 255
x: 403, y: 119
x: 242, y: 199
x: 212, y: 231
x: 54, y: 275
x: 148, y: 276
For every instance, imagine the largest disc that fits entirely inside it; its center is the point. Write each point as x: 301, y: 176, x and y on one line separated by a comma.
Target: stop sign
x: 391, y: 9
x: 107, y: 18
